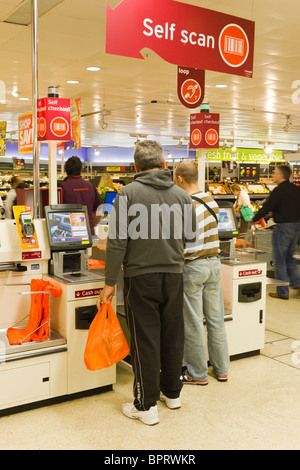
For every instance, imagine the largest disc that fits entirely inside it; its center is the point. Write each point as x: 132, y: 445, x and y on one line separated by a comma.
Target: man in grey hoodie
x: 151, y: 223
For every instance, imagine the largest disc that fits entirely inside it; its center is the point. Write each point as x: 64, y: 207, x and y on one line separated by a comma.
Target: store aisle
x: 258, y: 408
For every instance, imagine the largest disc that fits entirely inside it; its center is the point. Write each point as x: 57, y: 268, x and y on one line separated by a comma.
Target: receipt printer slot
x: 250, y: 292
x: 84, y: 316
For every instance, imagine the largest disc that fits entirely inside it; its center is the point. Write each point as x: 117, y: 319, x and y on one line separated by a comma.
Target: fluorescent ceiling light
x: 24, y: 99
x: 267, y: 149
x: 221, y: 86
x: 93, y: 69
x: 72, y: 81
x: 15, y: 92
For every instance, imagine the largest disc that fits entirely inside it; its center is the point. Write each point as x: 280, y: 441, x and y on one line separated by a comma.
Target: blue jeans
x: 284, y: 241
x: 203, y: 297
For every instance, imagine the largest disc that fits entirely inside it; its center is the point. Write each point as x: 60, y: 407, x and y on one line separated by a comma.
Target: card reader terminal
x: 27, y: 226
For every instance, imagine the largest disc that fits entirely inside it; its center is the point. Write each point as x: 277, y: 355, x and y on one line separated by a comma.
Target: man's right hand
x: 106, y: 295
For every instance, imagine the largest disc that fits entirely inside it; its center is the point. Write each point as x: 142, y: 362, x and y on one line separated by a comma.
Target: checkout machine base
x: 71, y: 316
x: 244, y: 294
x: 37, y: 374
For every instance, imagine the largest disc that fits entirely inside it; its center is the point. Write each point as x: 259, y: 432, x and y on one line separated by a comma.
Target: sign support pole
x: 52, y: 166
x: 201, y: 169
x: 35, y: 95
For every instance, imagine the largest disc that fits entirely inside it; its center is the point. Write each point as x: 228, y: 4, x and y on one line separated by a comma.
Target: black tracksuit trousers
x: 153, y: 306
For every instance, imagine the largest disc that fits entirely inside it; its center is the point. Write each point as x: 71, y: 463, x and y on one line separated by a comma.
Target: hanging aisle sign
x: 53, y: 119
x: 2, y: 138
x: 76, y: 122
x: 181, y: 34
x: 204, y: 130
x: 190, y: 86
x: 25, y: 133
x: 244, y: 155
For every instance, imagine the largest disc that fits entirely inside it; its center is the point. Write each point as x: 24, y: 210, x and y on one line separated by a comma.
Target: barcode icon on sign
x: 60, y: 127
x: 234, y: 45
x: 211, y: 137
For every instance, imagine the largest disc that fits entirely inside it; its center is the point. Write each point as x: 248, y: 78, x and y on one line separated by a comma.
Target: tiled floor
x: 282, y: 348
x: 258, y: 408
x: 282, y: 338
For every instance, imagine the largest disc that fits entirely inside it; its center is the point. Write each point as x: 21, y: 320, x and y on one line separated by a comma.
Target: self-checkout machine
x: 30, y: 371
x: 70, y: 242
x: 244, y: 290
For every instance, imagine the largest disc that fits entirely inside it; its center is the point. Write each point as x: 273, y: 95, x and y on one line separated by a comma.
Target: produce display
x: 251, y: 188
x: 255, y: 206
x: 271, y: 186
x: 257, y: 188
x: 217, y: 189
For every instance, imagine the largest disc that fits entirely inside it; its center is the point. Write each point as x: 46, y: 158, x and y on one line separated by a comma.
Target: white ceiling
x: 72, y: 37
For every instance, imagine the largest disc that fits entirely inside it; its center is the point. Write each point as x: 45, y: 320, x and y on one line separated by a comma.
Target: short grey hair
x: 148, y: 155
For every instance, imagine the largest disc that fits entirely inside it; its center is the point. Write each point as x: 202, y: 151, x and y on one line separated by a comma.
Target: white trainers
x: 172, y: 403
x: 149, y: 417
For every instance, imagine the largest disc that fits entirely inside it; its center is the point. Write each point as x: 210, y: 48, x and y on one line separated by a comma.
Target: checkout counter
x: 244, y: 290
x: 35, y: 373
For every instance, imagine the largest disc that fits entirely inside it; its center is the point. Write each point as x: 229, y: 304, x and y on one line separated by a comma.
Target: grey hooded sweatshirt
x: 151, y: 222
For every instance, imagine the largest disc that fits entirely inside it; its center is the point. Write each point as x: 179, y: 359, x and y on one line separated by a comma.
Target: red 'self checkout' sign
x: 181, y: 34
x: 53, y: 118
x: 204, y: 130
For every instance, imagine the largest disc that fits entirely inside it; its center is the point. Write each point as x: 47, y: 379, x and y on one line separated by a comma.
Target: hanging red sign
x: 204, y: 130
x: 53, y: 117
x: 76, y: 122
x: 181, y: 34
x: 190, y: 86
x: 25, y: 133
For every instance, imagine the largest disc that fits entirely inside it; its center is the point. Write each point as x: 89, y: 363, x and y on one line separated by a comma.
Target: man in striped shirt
x: 202, y: 288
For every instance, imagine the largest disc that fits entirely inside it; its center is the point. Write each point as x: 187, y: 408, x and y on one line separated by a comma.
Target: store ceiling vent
x: 21, y: 15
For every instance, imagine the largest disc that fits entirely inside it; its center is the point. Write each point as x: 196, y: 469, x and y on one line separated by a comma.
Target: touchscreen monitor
x: 227, y: 226
x: 68, y: 227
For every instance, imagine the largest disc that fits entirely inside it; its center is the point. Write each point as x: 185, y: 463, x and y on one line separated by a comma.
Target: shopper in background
x: 242, y: 199
x: 106, y: 182
x: 202, y: 288
x: 284, y: 204
x: 78, y: 191
x: 153, y: 287
x: 11, y: 198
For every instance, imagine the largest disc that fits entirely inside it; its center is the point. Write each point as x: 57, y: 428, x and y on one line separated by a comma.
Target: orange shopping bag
x: 96, y: 264
x: 37, y: 328
x: 106, y: 344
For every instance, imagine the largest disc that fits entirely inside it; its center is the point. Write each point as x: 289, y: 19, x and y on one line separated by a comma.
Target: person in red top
x: 78, y: 191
